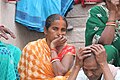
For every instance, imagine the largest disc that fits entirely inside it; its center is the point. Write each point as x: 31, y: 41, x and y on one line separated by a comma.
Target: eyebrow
x: 89, y: 68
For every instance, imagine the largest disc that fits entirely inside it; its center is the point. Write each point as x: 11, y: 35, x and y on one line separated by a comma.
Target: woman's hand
x: 118, y: 12
x: 59, y: 41
x: 112, y: 5
x: 4, y: 31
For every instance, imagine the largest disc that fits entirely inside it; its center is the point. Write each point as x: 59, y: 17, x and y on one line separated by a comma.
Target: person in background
x: 50, y: 58
x: 91, y: 64
x: 103, y: 27
x: 9, y: 56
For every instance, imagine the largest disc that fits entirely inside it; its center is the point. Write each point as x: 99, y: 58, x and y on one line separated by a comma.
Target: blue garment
x: 9, y: 58
x: 33, y: 13
x: 66, y: 6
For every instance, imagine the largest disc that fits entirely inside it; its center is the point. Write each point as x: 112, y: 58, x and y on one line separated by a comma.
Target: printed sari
x: 36, y: 63
x: 96, y: 22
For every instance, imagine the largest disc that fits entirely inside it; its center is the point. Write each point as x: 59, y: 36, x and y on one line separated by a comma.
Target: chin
x: 93, y: 78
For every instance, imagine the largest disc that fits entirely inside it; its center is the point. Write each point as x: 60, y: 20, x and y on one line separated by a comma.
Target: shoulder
x: 117, y: 77
x: 98, y: 9
x: 81, y: 75
x: 32, y: 44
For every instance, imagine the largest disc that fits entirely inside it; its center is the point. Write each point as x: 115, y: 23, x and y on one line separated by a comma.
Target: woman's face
x: 57, y: 28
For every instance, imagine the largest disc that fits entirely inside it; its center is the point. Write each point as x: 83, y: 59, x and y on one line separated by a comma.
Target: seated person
x: 9, y: 57
x: 103, y: 27
x: 50, y: 58
x: 91, y: 64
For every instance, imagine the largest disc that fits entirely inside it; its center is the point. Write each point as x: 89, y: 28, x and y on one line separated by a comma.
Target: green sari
x: 96, y: 22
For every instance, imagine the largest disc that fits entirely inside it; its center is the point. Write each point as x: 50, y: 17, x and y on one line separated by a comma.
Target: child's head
x: 52, y: 18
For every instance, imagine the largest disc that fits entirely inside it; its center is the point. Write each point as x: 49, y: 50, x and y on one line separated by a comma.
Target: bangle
x: 56, y: 58
x: 54, y: 49
x: 111, y: 25
x: 111, y: 21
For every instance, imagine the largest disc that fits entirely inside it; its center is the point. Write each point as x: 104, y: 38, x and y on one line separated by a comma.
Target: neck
x: 48, y: 42
x: 100, y: 77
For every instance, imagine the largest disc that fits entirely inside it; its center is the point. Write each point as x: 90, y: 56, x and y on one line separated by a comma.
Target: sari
x: 36, y: 63
x: 9, y: 58
x: 96, y: 23
x: 33, y: 13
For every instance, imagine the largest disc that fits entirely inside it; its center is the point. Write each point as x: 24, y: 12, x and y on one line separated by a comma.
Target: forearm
x: 106, y: 72
x: 58, y: 68
x: 74, y: 73
x: 107, y: 35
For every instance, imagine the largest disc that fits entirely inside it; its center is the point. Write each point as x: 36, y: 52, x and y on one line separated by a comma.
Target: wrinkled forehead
x: 90, y: 64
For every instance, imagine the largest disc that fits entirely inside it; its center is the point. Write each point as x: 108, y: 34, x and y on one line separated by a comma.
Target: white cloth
x: 82, y: 76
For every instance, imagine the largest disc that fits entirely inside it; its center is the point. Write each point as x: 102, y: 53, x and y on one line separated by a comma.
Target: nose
x: 90, y: 74
x: 60, y: 32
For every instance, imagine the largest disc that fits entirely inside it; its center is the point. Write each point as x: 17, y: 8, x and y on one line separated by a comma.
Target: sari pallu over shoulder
x: 36, y: 63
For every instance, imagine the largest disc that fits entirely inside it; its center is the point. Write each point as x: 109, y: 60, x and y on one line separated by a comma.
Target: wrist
x: 112, y: 15
x: 55, y: 59
x: 111, y: 23
x: 78, y: 67
x: 53, y: 49
x: 103, y: 64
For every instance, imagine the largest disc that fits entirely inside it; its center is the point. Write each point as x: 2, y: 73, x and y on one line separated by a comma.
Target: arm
x: 96, y: 29
x: 106, y: 71
x: 101, y: 57
x: 95, y: 24
x: 107, y: 35
x: 60, y: 68
x: 79, y: 62
x: 74, y: 73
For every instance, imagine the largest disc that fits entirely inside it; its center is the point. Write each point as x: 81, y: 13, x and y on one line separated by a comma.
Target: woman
x: 50, y: 58
x: 103, y: 26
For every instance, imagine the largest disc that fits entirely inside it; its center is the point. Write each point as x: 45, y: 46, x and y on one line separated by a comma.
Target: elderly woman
x: 103, y: 27
x: 50, y: 58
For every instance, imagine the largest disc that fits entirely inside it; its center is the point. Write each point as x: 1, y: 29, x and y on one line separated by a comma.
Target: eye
x: 55, y: 28
x: 94, y: 70
x: 64, y: 30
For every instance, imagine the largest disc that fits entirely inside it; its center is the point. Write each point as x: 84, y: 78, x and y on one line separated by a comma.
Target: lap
x: 113, y: 55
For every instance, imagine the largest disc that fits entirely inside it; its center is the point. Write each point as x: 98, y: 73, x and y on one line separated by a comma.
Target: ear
x: 45, y: 31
